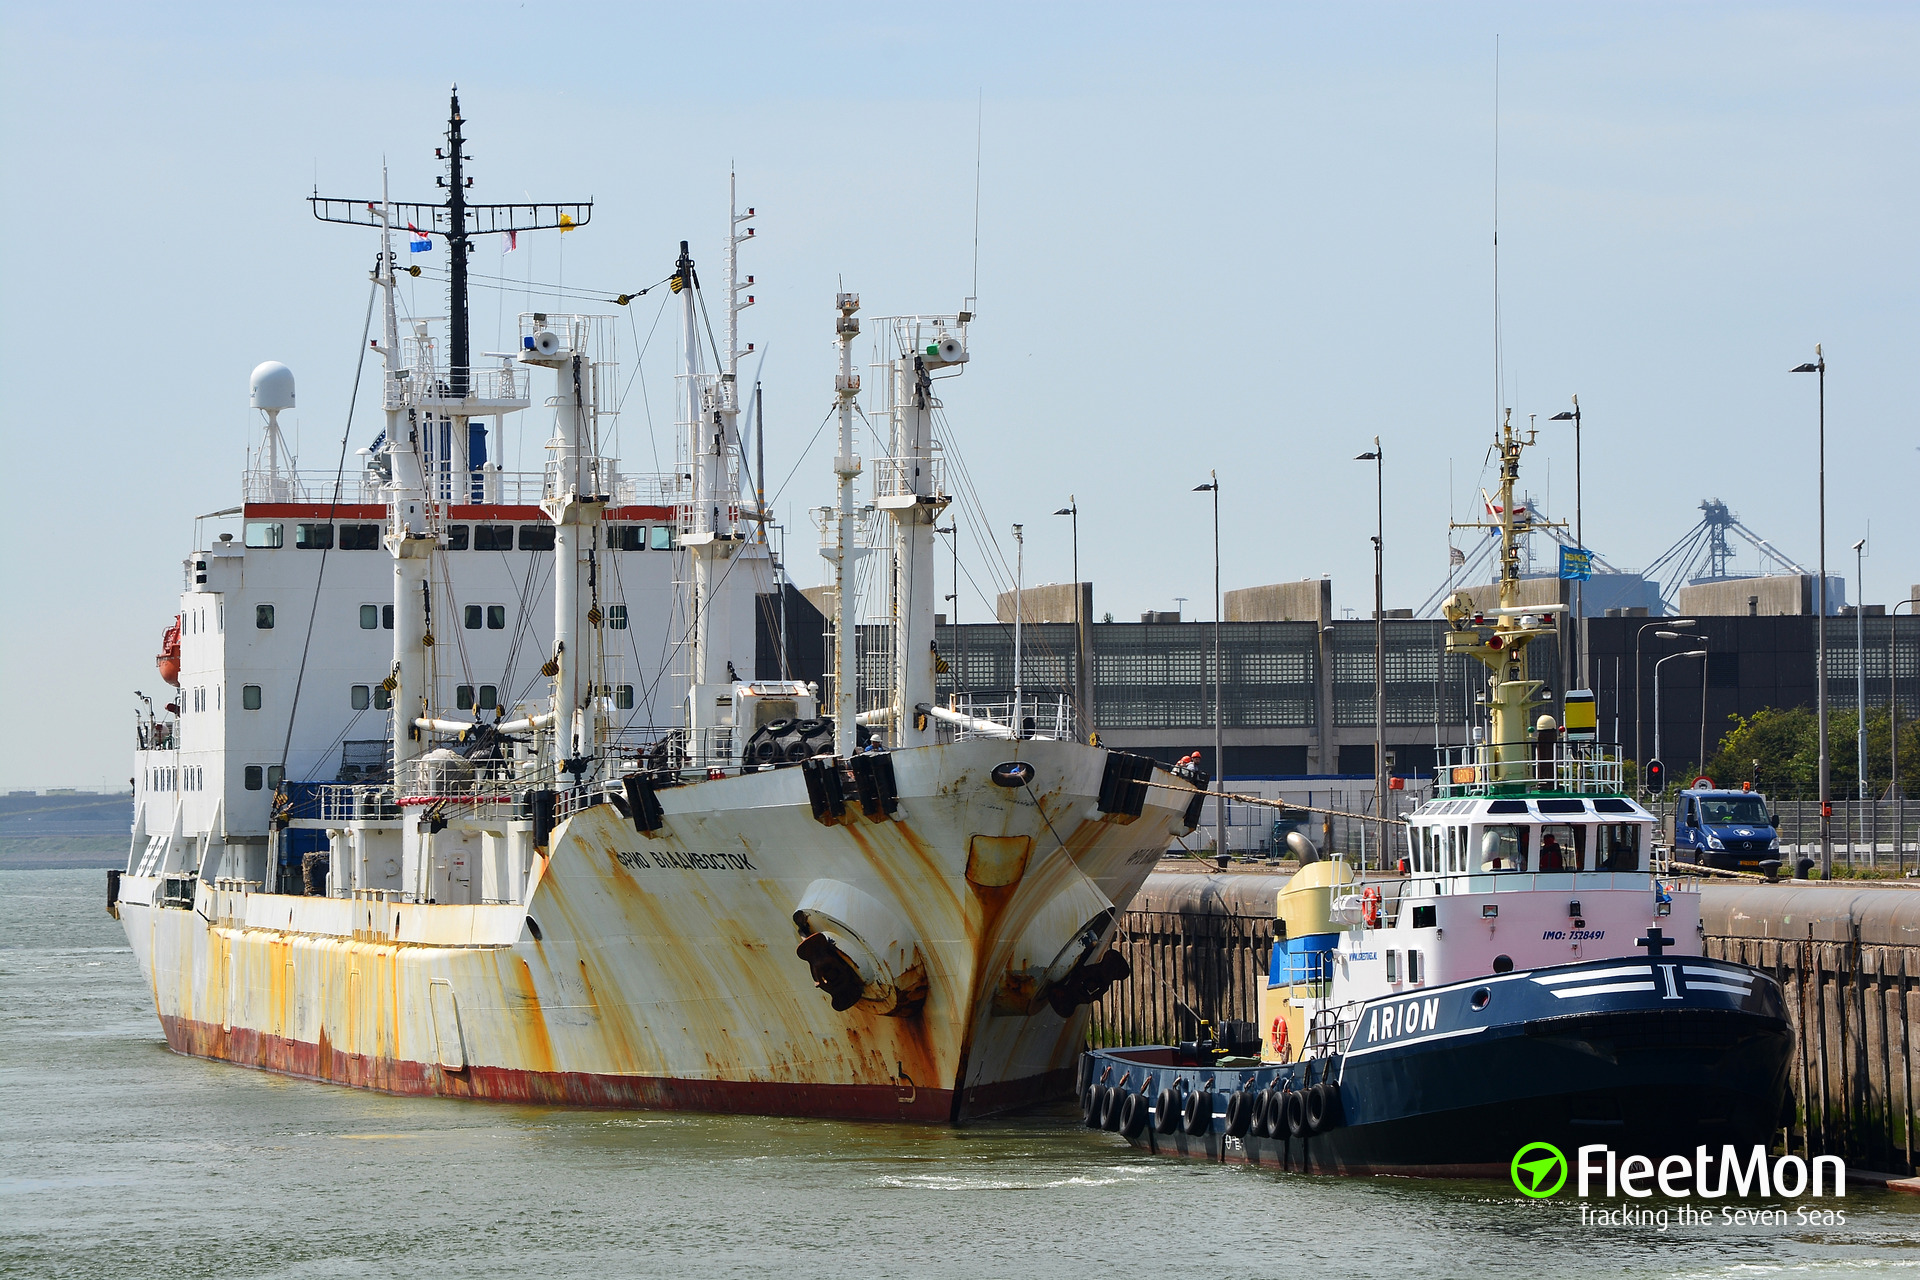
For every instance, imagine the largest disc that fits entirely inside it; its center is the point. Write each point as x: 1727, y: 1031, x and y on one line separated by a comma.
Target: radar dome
x: 273, y: 386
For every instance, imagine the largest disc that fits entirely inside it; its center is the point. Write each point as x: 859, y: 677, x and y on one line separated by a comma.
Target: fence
x: 1876, y: 835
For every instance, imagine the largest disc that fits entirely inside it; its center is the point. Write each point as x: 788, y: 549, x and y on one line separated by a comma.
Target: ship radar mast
x: 1499, y: 637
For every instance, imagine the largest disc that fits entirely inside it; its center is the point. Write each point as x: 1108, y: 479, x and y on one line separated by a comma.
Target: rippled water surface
x: 118, y: 1158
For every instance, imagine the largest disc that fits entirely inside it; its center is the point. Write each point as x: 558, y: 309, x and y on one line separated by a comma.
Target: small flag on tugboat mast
x: 422, y: 241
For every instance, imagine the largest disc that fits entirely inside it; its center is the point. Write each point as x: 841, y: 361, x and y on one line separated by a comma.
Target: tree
x: 1784, y: 745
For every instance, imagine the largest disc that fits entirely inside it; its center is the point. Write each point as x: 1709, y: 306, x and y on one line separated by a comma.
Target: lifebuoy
x: 1280, y: 1038
x: 1370, y: 906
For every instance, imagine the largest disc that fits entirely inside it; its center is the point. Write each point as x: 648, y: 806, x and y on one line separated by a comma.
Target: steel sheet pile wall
x: 1848, y: 963
x: 1847, y: 960
x: 1203, y: 940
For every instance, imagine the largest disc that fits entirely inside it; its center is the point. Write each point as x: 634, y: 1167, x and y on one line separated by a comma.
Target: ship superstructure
x: 626, y: 869
x: 1524, y: 974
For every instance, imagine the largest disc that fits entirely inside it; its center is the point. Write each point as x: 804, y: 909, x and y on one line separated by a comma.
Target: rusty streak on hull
x: 663, y: 972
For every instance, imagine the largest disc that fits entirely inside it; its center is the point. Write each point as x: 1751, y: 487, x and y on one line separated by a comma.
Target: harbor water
x: 118, y: 1158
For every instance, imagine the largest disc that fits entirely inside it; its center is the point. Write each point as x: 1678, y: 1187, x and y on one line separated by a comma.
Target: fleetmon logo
x: 1539, y: 1170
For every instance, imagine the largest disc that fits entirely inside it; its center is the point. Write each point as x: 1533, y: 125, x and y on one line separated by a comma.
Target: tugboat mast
x: 1508, y: 754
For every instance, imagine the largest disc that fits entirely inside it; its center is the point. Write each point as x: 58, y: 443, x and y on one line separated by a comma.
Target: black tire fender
x: 1240, y: 1108
x: 1166, y: 1111
x: 1296, y: 1105
x: 1110, y: 1109
x: 1323, y: 1106
x: 1198, y: 1115
x: 1133, y: 1115
x: 1090, y: 1106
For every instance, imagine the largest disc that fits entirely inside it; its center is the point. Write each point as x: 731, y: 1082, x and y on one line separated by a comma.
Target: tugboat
x: 1525, y: 974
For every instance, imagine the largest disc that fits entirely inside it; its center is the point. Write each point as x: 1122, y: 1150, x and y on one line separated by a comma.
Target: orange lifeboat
x: 169, y: 659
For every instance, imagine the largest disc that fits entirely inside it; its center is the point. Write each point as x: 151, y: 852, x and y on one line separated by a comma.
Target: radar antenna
x: 457, y: 221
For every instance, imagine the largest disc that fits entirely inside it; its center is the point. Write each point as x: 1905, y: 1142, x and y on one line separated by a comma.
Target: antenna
x: 1499, y: 355
x: 458, y: 221
x: 979, y: 132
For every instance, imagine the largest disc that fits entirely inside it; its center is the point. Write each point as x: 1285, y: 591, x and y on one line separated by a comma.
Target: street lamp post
x: 1893, y: 702
x: 1082, y: 678
x: 1860, y: 662
x: 1579, y: 536
x: 1640, y: 761
x: 1691, y: 653
x: 1819, y: 366
x: 1378, y: 458
x: 1219, y: 751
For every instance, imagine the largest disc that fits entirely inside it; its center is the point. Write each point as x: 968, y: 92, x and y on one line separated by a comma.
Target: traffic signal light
x: 1656, y: 776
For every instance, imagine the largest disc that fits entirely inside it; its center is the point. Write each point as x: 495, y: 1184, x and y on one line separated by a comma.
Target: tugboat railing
x: 1503, y: 768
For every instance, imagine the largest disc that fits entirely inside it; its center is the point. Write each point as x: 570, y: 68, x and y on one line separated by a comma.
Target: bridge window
x: 359, y: 537
x: 250, y: 697
x: 1617, y: 847
x: 1504, y: 848
x: 536, y: 537
x: 1562, y: 848
x: 493, y: 537
x: 313, y: 537
x: 266, y: 534
x: 663, y: 537
x: 456, y: 537
x: 627, y: 537
x: 263, y: 616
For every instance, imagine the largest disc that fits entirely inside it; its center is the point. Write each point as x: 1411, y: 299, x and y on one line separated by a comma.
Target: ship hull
x: 1651, y: 1072
x: 660, y: 970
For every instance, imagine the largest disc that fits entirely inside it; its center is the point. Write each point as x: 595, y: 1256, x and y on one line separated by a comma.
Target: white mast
x: 411, y: 535
x: 573, y: 502
x: 909, y: 490
x: 841, y: 554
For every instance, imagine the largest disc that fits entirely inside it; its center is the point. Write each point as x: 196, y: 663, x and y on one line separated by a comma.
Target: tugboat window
x: 263, y: 616
x: 1617, y: 847
x: 1504, y: 848
x: 1562, y: 848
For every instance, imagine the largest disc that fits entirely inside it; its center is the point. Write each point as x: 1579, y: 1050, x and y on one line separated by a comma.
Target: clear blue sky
x: 1244, y: 238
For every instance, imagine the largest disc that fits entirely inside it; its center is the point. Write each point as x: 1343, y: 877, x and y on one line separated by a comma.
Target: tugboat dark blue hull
x: 1646, y: 1057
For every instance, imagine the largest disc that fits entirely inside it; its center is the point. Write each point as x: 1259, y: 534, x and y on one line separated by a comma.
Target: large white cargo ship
x: 460, y: 788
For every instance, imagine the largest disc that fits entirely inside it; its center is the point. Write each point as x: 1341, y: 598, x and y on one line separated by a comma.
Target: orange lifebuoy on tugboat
x: 1280, y: 1038
x: 1370, y: 906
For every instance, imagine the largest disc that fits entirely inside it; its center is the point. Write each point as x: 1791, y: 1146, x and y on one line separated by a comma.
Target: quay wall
x: 1847, y: 959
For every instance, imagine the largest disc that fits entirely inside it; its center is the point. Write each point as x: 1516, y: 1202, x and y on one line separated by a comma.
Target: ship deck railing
x: 1038, y: 715
x: 486, y: 485
x: 1572, y: 768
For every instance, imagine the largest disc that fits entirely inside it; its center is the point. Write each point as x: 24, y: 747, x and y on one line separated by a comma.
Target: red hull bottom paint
x: 321, y: 1061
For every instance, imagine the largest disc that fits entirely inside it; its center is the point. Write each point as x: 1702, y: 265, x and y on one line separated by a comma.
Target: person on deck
x: 1549, y: 853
